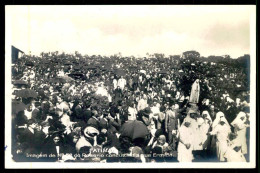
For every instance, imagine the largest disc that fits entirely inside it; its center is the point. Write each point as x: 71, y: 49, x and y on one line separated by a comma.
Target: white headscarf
x: 219, y: 117
x: 240, y: 120
x: 207, y: 117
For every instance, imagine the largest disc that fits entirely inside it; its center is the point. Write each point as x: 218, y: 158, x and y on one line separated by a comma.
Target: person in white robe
x: 240, y: 125
x: 192, y: 119
x: 234, y: 152
x: 204, y: 129
x: 198, y: 134
x: 185, y: 143
x: 221, y: 129
x: 195, y: 92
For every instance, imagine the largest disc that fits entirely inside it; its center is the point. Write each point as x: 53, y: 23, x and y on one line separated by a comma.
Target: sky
x: 131, y: 30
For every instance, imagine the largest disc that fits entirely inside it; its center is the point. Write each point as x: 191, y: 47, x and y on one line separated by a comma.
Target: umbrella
x: 134, y: 129
x: 20, y: 82
x: 26, y: 93
x: 17, y: 106
x: 76, y: 75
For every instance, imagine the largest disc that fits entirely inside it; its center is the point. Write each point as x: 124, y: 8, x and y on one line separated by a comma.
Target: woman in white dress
x: 204, y: 129
x: 240, y: 125
x: 185, y: 143
x: 234, y: 153
x: 221, y: 129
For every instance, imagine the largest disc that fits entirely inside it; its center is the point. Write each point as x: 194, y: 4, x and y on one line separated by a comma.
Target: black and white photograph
x: 137, y: 86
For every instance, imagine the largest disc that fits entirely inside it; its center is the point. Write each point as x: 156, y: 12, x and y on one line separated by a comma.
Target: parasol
x: 20, y: 83
x: 26, y: 93
x: 76, y: 75
x: 134, y: 129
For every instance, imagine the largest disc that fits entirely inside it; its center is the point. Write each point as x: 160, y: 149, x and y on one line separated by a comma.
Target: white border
x: 9, y: 163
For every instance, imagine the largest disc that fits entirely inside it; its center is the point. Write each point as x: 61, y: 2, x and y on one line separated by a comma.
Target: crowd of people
x: 74, y: 108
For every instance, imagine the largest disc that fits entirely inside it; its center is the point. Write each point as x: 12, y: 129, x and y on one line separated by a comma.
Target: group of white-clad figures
x: 200, y: 132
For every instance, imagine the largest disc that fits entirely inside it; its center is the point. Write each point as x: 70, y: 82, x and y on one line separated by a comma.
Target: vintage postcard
x: 130, y: 86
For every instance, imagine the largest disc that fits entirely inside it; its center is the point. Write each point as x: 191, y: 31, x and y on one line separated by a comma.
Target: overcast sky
x: 131, y: 30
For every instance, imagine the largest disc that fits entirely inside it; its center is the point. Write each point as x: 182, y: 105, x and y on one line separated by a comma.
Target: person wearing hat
x: 87, y: 138
x: 54, y: 147
x: 145, y: 116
